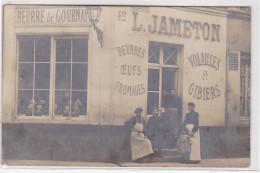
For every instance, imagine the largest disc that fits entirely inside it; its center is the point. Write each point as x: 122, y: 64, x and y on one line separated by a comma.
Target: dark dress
x: 192, y: 118
x: 172, y: 107
x: 170, y: 101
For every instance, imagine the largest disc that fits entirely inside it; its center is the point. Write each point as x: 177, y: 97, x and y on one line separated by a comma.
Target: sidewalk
x: 224, y: 163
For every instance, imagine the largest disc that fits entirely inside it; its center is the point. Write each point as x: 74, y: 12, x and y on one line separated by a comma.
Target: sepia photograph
x: 126, y: 86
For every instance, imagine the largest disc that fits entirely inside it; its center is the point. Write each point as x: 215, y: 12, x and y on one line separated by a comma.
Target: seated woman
x: 140, y: 144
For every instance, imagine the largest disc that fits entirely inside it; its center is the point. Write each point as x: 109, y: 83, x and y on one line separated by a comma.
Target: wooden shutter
x: 234, y: 61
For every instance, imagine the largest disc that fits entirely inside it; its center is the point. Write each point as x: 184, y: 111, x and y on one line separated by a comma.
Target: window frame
x: 247, y: 75
x: 51, y: 115
x: 162, y: 66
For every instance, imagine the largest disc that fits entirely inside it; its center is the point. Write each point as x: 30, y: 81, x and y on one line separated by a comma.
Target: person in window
x: 156, y: 131
x: 191, y: 123
x: 141, y: 146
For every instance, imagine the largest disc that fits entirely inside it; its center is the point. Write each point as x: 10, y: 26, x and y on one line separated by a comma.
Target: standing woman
x: 191, y: 123
x: 140, y: 144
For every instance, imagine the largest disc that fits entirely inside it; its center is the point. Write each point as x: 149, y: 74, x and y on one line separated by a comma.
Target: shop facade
x: 74, y: 86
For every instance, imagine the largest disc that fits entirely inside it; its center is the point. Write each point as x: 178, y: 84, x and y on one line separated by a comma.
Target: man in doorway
x: 170, y: 99
x: 172, y: 107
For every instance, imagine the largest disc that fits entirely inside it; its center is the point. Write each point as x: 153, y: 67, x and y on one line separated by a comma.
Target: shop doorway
x: 163, y: 91
x: 162, y: 77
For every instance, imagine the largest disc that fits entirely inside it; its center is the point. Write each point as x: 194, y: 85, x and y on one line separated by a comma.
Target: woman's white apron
x: 195, y: 143
x: 140, y: 144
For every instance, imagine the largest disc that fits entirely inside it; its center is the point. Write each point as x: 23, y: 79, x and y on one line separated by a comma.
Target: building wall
x: 90, y: 143
x: 121, y: 26
x: 238, y: 41
x: 239, y: 34
x: 135, y: 31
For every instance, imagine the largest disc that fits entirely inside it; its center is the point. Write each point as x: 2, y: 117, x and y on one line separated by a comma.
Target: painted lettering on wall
x: 129, y: 89
x: 130, y: 70
x: 61, y: 15
x: 177, y: 27
x: 204, y: 92
x: 131, y: 50
x: 204, y: 59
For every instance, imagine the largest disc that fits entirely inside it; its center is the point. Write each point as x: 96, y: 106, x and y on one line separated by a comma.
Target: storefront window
x: 70, y: 83
x: 44, y: 76
x: 34, y: 76
x: 162, y: 73
x: 245, y: 81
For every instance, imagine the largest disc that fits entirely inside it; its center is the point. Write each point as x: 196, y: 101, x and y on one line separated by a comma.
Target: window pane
x: 245, y: 87
x: 80, y: 50
x: 63, y: 50
x: 26, y: 49
x: 42, y: 103
x: 42, y: 49
x: 25, y: 80
x: 79, y: 76
x: 153, y: 80
x: 62, y: 76
x: 169, y: 56
x: 79, y: 103
x: 25, y: 103
x: 168, y: 79
x: 153, y: 101
x: 154, y: 54
x: 62, y: 103
x: 42, y: 76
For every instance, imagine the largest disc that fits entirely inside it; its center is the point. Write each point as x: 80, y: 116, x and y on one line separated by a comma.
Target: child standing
x: 184, y: 145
